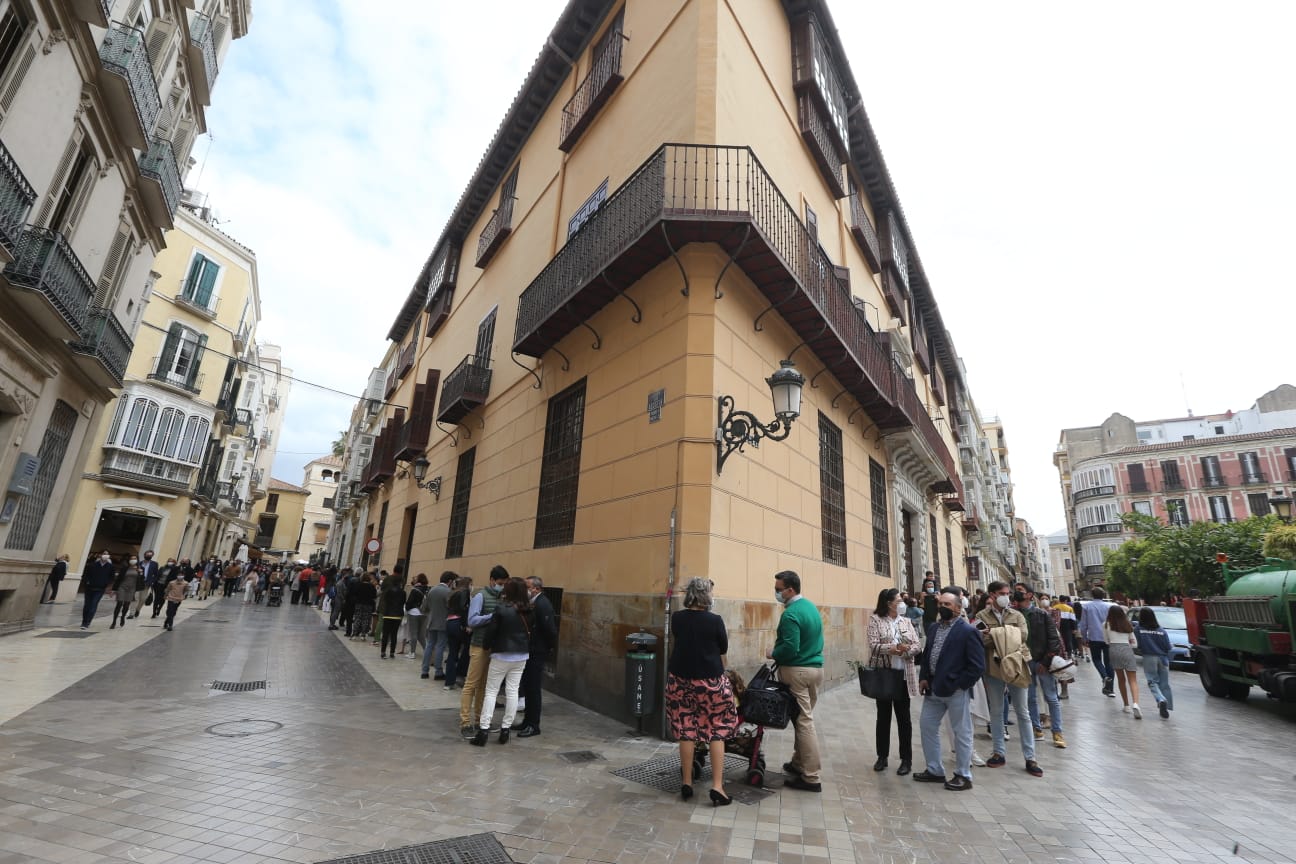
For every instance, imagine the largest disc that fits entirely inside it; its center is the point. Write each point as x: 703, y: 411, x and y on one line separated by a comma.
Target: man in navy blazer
x: 952, y: 663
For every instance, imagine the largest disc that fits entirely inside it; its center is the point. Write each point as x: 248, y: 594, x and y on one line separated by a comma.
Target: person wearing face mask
x: 544, y: 636
x: 893, y: 642
x: 999, y: 612
x: 123, y: 589
x: 148, y: 582
x: 798, y: 651
x: 951, y: 664
x: 98, y: 576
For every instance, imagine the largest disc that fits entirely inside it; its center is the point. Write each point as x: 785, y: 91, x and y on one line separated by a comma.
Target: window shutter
x: 207, y: 282
x: 16, y: 79
x: 197, y: 360
x: 187, y: 442
x: 164, y: 428
x: 117, y: 421
x: 190, y: 289
x: 182, y: 143
x: 166, y: 361
x: 114, y: 268
x: 146, y: 427
x: 133, y: 424
x: 156, y: 44
x: 200, y: 440
x: 60, y: 177
x: 133, y: 11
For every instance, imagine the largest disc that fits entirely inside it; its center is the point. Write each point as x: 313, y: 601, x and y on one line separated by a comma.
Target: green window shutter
x: 167, y: 359
x: 197, y: 360
x: 207, y: 283
x: 191, y: 281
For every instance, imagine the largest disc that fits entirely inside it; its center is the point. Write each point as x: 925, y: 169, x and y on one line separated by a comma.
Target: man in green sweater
x: 798, y: 651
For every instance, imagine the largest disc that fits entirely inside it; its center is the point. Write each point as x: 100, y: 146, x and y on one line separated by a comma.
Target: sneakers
x: 790, y: 769
x: 996, y: 761
x: 978, y: 761
x: 1058, y: 741
x: 1109, y: 687
x: 1039, y: 734
x: 1164, y: 709
x: 1125, y: 709
x: 424, y: 675
x: 1033, y: 768
x: 467, y: 732
x: 1138, y: 715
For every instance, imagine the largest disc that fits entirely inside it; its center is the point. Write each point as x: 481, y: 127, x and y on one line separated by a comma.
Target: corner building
x: 682, y: 195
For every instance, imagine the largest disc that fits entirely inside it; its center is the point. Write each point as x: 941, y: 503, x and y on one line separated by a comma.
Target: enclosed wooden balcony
x: 465, y: 388
x: 128, y: 84
x: 866, y: 236
x: 416, y: 432
x: 51, y: 285
x: 96, y: 12
x: 496, y: 231
x: 105, y: 346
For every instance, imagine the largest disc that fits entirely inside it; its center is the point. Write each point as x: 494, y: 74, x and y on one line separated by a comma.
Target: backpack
x: 1009, y: 659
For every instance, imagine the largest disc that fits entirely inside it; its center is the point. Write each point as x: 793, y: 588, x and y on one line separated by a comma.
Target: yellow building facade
x: 160, y: 475
x: 561, y: 362
x: 280, y: 518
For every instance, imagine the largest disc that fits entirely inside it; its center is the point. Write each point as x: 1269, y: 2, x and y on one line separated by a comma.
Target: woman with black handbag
x: 893, y: 645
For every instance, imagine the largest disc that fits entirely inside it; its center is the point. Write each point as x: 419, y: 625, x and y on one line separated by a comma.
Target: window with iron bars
x: 560, y: 468
x: 832, y: 492
x: 459, y: 509
x: 881, y: 534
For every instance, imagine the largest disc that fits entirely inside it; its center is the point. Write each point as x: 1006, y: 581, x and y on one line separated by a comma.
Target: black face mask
x: 946, y: 613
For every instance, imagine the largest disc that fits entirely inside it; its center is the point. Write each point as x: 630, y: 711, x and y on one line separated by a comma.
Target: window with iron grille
x: 832, y: 492
x: 935, y: 546
x: 459, y: 509
x: 31, y: 509
x: 1170, y: 475
x: 878, y: 505
x: 1177, y: 511
x: 560, y: 468
x: 1259, y: 503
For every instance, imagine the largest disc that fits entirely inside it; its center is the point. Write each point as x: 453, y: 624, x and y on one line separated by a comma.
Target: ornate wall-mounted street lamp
x: 1282, y: 505
x: 420, y: 468
x: 740, y: 428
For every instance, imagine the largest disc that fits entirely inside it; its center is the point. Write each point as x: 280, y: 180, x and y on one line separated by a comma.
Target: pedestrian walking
x: 458, y: 636
x: 391, y: 608
x: 1119, y: 637
x: 507, y: 635
x: 952, y: 662
x: 340, y: 585
x: 1044, y: 643
x: 544, y: 636
x: 174, y: 594
x: 233, y: 570
x: 97, y: 578
x: 798, y: 651
x: 123, y: 590
x: 1154, y: 644
x: 433, y: 613
x: 56, y: 576
x: 699, y: 695
x: 1003, y: 632
x: 1092, y: 629
x: 480, y: 609
x: 149, y: 570
x: 893, y: 643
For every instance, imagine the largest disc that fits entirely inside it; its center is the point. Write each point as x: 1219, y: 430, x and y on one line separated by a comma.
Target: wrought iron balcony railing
x: 141, y: 469
x: 202, y: 50
x: 159, y: 165
x: 1172, y: 484
x: 45, y: 265
x: 1255, y: 479
x: 16, y: 197
x: 125, y: 55
x: 465, y: 388
x: 105, y: 340
x: 1213, y: 481
x: 915, y: 413
x: 263, y: 541
x: 189, y: 297
x: 1138, y: 486
x: 603, y: 79
x: 191, y: 381
x: 497, y: 229
x: 1104, y: 528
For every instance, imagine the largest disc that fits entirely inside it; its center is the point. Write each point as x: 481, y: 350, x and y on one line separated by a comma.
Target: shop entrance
x: 123, y: 532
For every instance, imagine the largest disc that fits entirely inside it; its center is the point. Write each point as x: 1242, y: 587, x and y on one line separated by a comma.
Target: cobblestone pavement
x: 126, y: 754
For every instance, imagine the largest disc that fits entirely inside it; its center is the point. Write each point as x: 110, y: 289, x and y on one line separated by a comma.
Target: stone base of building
x: 21, y: 583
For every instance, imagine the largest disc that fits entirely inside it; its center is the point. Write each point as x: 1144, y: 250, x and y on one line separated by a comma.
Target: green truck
x: 1245, y: 637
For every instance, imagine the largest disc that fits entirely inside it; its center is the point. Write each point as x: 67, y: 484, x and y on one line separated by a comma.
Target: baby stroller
x: 276, y: 595
x: 746, y: 741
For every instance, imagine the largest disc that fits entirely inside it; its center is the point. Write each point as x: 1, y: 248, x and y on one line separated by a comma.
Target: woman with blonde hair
x: 699, y: 696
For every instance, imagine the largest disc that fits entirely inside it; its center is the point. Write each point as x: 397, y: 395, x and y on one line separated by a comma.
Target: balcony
x: 241, y: 336
x: 866, y: 236
x: 971, y: 521
x: 1256, y: 479
x: 441, y: 285
x: 1095, y: 569
x: 919, y: 339
x: 938, y: 389
x: 16, y: 197
x: 96, y: 12
x: 1138, y: 486
x: 263, y: 541
x: 406, y: 361
x: 1213, y: 481
x: 202, y: 57
x: 1104, y: 528
x: 382, y: 466
x: 953, y: 503
x: 162, y: 194
x: 208, y: 308
x: 139, y: 469
x: 106, y: 346
x: 1172, y: 485
x: 417, y: 430
x: 189, y: 383
x: 602, y: 81
x: 1092, y: 492
x: 496, y: 231
x: 242, y: 421
x: 705, y: 194
x: 128, y: 85
x: 916, y: 432
x: 817, y: 134
x: 465, y: 388
x: 53, y: 286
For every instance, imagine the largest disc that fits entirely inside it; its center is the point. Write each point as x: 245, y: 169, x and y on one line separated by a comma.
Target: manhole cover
x: 578, y: 756
x: 238, y: 686
x: 474, y: 849
x: 66, y: 634
x: 664, y: 772
x: 242, y: 728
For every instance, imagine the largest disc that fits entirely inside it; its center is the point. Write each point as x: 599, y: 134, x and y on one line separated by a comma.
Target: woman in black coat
x: 56, y: 574
x: 508, y: 636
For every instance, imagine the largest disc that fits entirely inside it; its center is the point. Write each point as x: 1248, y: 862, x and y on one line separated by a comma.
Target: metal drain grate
x: 213, y: 620
x: 664, y: 772
x: 576, y: 757
x: 238, y: 686
x: 242, y: 728
x: 474, y: 849
x: 66, y: 634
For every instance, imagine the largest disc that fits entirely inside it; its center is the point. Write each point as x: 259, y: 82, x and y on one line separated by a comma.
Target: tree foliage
x: 1163, y: 560
x: 339, y: 444
x: 1281, y: 543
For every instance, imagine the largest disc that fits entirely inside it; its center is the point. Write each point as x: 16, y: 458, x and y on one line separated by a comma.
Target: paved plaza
x: 115, y: 748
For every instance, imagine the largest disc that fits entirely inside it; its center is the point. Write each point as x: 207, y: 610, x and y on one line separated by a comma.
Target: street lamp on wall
x: 1282, y: 505
x: 738, y: 428
x: 420, y: 469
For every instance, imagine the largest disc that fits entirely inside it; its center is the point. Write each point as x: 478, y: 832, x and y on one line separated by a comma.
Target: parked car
x: 1171, y: 619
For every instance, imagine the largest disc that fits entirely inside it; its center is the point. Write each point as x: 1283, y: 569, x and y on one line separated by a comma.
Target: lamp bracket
x: 736, y: 429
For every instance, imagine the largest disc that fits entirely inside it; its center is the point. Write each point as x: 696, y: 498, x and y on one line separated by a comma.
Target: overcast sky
x: 1101, y: 202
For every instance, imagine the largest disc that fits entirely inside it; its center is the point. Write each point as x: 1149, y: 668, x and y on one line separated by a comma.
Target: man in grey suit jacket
x: 435, y: 608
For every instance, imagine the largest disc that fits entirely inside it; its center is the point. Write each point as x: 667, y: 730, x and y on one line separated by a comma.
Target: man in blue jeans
x: 434, y: 610
x: 1091, y: 630
x: 1000, y: 614
x: 951, y: 664
x: 1045, y: 644
x: 96, y: 579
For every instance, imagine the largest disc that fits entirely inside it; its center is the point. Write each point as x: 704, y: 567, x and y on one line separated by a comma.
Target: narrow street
x: 342, y: 753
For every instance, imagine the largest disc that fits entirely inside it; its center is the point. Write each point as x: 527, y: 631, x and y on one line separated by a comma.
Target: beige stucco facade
x: 651, y: 508
x: 280, y: 517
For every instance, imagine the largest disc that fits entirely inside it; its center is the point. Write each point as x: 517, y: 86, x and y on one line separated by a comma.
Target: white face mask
x: 778, y: 595
x: 1002, y: 601
x: 901, y: 608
